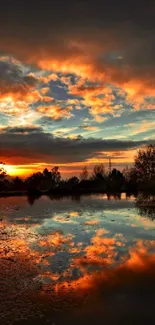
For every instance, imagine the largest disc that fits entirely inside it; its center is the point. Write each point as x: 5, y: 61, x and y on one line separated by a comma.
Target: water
x: 64, y: 259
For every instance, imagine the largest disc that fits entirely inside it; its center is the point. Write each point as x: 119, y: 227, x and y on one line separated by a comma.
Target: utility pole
x: 109, y: 165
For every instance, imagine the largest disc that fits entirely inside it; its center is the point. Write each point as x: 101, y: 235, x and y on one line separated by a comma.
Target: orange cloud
x: 98, y: 98
x: 126, y: 77
x: 100, y: 245
x: 56, y: 240
x: 48, y: 78
x: 91, y: 222
x: 55, y: 112
x: 18, y: 102
x: 66, y: 80
x: 47, y: 99
x: 99, y: 118
x: 44, y: 90
x: 74, y: 214
x: 89, y: 127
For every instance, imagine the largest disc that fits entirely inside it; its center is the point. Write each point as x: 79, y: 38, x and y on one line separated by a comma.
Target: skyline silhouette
x: 139, y: 178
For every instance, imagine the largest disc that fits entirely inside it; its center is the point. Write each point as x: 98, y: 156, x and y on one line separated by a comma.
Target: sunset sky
x: 77, y: 83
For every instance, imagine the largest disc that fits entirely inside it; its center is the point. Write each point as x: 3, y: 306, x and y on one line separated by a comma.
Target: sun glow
x: 74, y: 168
x: 13, y: 170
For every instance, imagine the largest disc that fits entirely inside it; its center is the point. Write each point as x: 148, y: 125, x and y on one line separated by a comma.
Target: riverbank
x: 59, y: 192
x: 13, y: 193
x: 145, y: 199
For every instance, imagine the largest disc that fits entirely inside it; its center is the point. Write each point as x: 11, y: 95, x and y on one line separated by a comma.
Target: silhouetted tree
x: 56, y: 176
x: 98, y: 172
x: 126, y: 173
x: 3, y: 173
x: 45, y: 180
x: 46, y: 173
x: 35, y: 180
x: 117, y: 179
x: 18, y: 183
x: 73, y: 181
x: 84, y: 175
x: 145, y: 163
x: 69, y: 184
x: 131, y: 180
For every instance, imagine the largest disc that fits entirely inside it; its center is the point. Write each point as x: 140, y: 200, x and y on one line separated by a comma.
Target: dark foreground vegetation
x: 141, y: 177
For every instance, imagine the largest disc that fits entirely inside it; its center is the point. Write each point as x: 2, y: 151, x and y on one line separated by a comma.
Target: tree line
x: 141, y: 176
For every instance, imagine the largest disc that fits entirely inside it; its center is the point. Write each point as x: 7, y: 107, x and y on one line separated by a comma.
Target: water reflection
x: 90, y: 274
x: 32, y: 198
x: 146, y: 205
x: 77, y: 198
x: 60, y: 255
x: 114, y: 196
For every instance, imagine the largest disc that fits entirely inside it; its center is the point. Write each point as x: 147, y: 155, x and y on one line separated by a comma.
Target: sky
x: 77, y: 83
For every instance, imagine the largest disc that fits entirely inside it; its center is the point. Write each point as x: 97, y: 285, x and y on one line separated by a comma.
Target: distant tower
x: 109, y: 165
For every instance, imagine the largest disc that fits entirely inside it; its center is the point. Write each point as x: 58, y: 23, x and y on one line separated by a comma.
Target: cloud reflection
x: 65, y: 266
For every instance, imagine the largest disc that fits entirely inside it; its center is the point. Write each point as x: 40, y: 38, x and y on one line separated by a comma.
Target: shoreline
x: 75, y: 192
x: 57, y: 192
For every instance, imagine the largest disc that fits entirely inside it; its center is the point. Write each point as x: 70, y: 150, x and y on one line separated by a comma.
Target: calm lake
x: 71, y: 260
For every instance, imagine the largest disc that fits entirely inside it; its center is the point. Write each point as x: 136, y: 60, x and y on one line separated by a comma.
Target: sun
x: 19, y: 170
x: 11, y: 170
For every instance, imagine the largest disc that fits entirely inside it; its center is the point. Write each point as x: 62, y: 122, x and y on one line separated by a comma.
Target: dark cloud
x: 38, y: 146
x: 88, y: 127
x: 21, y: 130
x: 83, y: 33
x: 12, y: 77
x: 112, y: 11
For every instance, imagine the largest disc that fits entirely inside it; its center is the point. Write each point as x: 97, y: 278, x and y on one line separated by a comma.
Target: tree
x: 126, y: 173
x: 145, y: 164
x: 45, y: 180
x: 73, y: 181
x: 47, y: 174
x: 116, y: 178
x: 98, y: 172
x: 131, y: 179
x: 55, y: 176
x: 3, y: 173
x: 35, y: 180
x: 84, y: 175
x: 18, y: 183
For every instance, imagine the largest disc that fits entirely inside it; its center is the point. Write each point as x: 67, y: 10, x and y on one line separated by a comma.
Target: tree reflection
x: 145, y: 204
x: 32, y: 198
x: 116, y: 196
